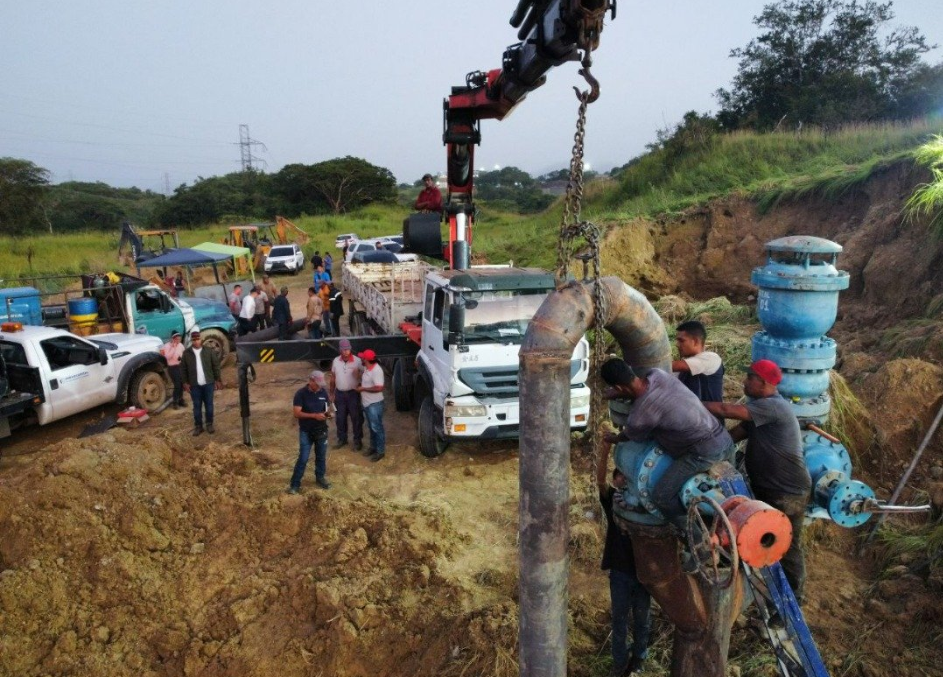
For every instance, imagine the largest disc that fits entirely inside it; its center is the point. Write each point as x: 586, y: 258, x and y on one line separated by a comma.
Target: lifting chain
x: 572, y: 229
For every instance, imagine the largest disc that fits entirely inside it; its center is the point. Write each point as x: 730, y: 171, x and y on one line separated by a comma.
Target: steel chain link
x: 572, y: 228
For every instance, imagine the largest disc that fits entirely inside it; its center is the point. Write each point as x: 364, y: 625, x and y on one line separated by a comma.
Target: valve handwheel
x: 712, y: 543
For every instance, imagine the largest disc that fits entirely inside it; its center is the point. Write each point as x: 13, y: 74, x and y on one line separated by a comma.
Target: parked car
x: 341, y: 240
x: 358, y: 246
x: 384, y: 255
x: 285, y: 258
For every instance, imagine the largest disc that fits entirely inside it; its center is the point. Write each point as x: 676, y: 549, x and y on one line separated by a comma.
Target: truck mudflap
x: 132, y: 367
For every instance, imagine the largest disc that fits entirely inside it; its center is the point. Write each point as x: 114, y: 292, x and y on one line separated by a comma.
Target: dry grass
x: 849, y: 419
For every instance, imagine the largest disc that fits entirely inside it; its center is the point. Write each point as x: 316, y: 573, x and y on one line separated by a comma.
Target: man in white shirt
x: 247, y: 314
x: 345, y: 372
x: 371, y: 394
x: 702, y: 371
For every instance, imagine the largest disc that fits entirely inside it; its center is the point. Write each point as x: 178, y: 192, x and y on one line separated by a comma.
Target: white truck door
x: 434, y: 330
x: 77, y: 379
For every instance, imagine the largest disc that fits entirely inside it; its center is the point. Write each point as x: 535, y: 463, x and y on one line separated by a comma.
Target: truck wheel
x: 216, y: 341
x: 148, y: 390
x: 431, y: 443
x: 402, y: 387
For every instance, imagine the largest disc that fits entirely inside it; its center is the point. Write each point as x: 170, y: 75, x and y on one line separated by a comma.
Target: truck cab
x: 68, y: 374
x: 473, y: 323
x: 153, y: 311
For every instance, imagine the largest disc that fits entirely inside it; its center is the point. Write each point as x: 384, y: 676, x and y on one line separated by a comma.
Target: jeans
x: 793, y: 562
x: 665, y: 496
x: 305, y: 441
x: 629, y: 596
x: 374, y: 415
x: 348, y: 404
x: 176, y: 375
x: 202, y: 396
x: 326, y: 324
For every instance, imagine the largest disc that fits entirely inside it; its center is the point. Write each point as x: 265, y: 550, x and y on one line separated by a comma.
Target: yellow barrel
x: 83, y: 325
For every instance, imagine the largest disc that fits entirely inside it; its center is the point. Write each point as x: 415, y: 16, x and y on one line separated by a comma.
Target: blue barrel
x: 83, y: 306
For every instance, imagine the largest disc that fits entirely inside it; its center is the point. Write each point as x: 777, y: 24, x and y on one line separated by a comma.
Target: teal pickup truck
x: 118, y: 302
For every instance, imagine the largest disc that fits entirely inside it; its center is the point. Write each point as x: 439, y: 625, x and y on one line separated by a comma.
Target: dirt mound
x: 122, y: 556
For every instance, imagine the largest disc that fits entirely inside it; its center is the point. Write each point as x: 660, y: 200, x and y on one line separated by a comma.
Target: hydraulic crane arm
x: 551, y: 32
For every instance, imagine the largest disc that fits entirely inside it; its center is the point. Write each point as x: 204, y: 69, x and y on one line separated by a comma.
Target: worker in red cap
x: 774, y: 460
x: 371, y: 396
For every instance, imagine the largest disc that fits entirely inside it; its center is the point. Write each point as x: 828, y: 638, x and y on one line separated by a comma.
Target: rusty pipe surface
x: 702, y: 615
x: 545, y: 450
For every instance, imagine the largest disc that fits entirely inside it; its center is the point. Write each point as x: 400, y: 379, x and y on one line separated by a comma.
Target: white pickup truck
x: 47, y: 374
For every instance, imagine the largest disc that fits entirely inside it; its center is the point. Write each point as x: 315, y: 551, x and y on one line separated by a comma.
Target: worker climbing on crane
x: 430, y: 198
x: 774, y: 460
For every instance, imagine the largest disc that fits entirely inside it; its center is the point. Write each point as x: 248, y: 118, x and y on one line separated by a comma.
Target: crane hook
x: 592, y: 93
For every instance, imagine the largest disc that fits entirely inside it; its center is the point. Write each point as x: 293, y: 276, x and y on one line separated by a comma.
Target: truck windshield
x: 500, y: 316
x: 281, y: 251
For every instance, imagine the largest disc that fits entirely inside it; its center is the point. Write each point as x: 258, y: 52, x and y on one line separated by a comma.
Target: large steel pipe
x: 545, y: 450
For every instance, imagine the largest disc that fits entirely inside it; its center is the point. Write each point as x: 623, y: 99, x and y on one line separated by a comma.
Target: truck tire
x: 216, y: 341
x: 148, y: 390
x: 431, y: 443
x: 402, y: 386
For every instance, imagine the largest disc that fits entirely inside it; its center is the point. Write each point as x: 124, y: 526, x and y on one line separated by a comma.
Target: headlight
x: 290, y: 264
x: 579, y: 402
x: 455, y: 411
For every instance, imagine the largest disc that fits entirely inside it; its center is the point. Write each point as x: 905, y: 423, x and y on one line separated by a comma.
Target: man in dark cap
x: 311, y: 407
x: 666, y: 411
x: 774, y: 460
x: 346, y: 370
x: 430, y: 198
x: 201, y: 377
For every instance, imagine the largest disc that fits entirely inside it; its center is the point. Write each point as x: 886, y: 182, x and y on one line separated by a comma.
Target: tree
x: 23, y: 188
x: 824, y: 62
x: 337, y: 185
x: 511, y: 188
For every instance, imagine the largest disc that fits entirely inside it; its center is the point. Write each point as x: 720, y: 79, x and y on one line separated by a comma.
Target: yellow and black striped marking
x: 267, y: 355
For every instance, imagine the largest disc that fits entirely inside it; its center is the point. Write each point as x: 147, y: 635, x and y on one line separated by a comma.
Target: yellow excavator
x: 259, y: 238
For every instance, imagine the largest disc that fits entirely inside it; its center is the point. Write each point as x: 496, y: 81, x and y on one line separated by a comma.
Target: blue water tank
x: 83, y: 306
x: 21, y: 304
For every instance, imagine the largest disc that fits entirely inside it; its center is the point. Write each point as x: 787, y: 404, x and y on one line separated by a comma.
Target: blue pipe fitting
x: 834, y: 493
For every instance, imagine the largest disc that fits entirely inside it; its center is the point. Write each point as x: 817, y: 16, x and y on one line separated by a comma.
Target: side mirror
x: 102, y: 355
x: 456, y: 322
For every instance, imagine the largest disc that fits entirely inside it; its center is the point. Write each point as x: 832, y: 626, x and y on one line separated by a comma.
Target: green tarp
x: 229, y: 250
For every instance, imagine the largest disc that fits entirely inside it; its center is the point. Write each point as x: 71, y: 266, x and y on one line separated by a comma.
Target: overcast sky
x: 152, y: 93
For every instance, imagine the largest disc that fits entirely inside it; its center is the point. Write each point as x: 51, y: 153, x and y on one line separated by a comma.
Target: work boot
x: 323, y: 483
x: 197, y: 430
x: 340, y: 444
x: 635, y: 664
x: 293, y: 490
x: 358, y: 446
x: 210, y: 429
x: 376, y: 457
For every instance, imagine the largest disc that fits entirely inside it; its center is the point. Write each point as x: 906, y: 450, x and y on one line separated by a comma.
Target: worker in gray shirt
x: 774, y: 459
x: 666, y: 411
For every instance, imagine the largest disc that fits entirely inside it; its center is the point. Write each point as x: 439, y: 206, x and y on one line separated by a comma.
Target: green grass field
x: 769, y: 168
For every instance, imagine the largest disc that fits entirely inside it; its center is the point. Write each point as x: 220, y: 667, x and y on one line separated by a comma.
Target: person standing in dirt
x: 774, y: 460
x: 626, y: 593
x: 271, y: 291
x: 201, y: 377
x: 235, y: 301
x: 345, y: 371
x: 430, y: 198
x: 311, y: 407
x: 173, y: 353
x: 247, y: 313
x: 701, y: 370
x: 327, y: 327
x: 316, y: 260
x: 329, y: 265
x: 313, y: 314
x: 281, y: 314
x: 665, y: 411
x: 320, y: 275
x: 371, y: 395
x: 261, y: 303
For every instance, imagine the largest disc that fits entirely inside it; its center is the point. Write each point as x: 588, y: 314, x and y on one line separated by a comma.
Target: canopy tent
x: 188, y: 258
x: 230, y: 251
